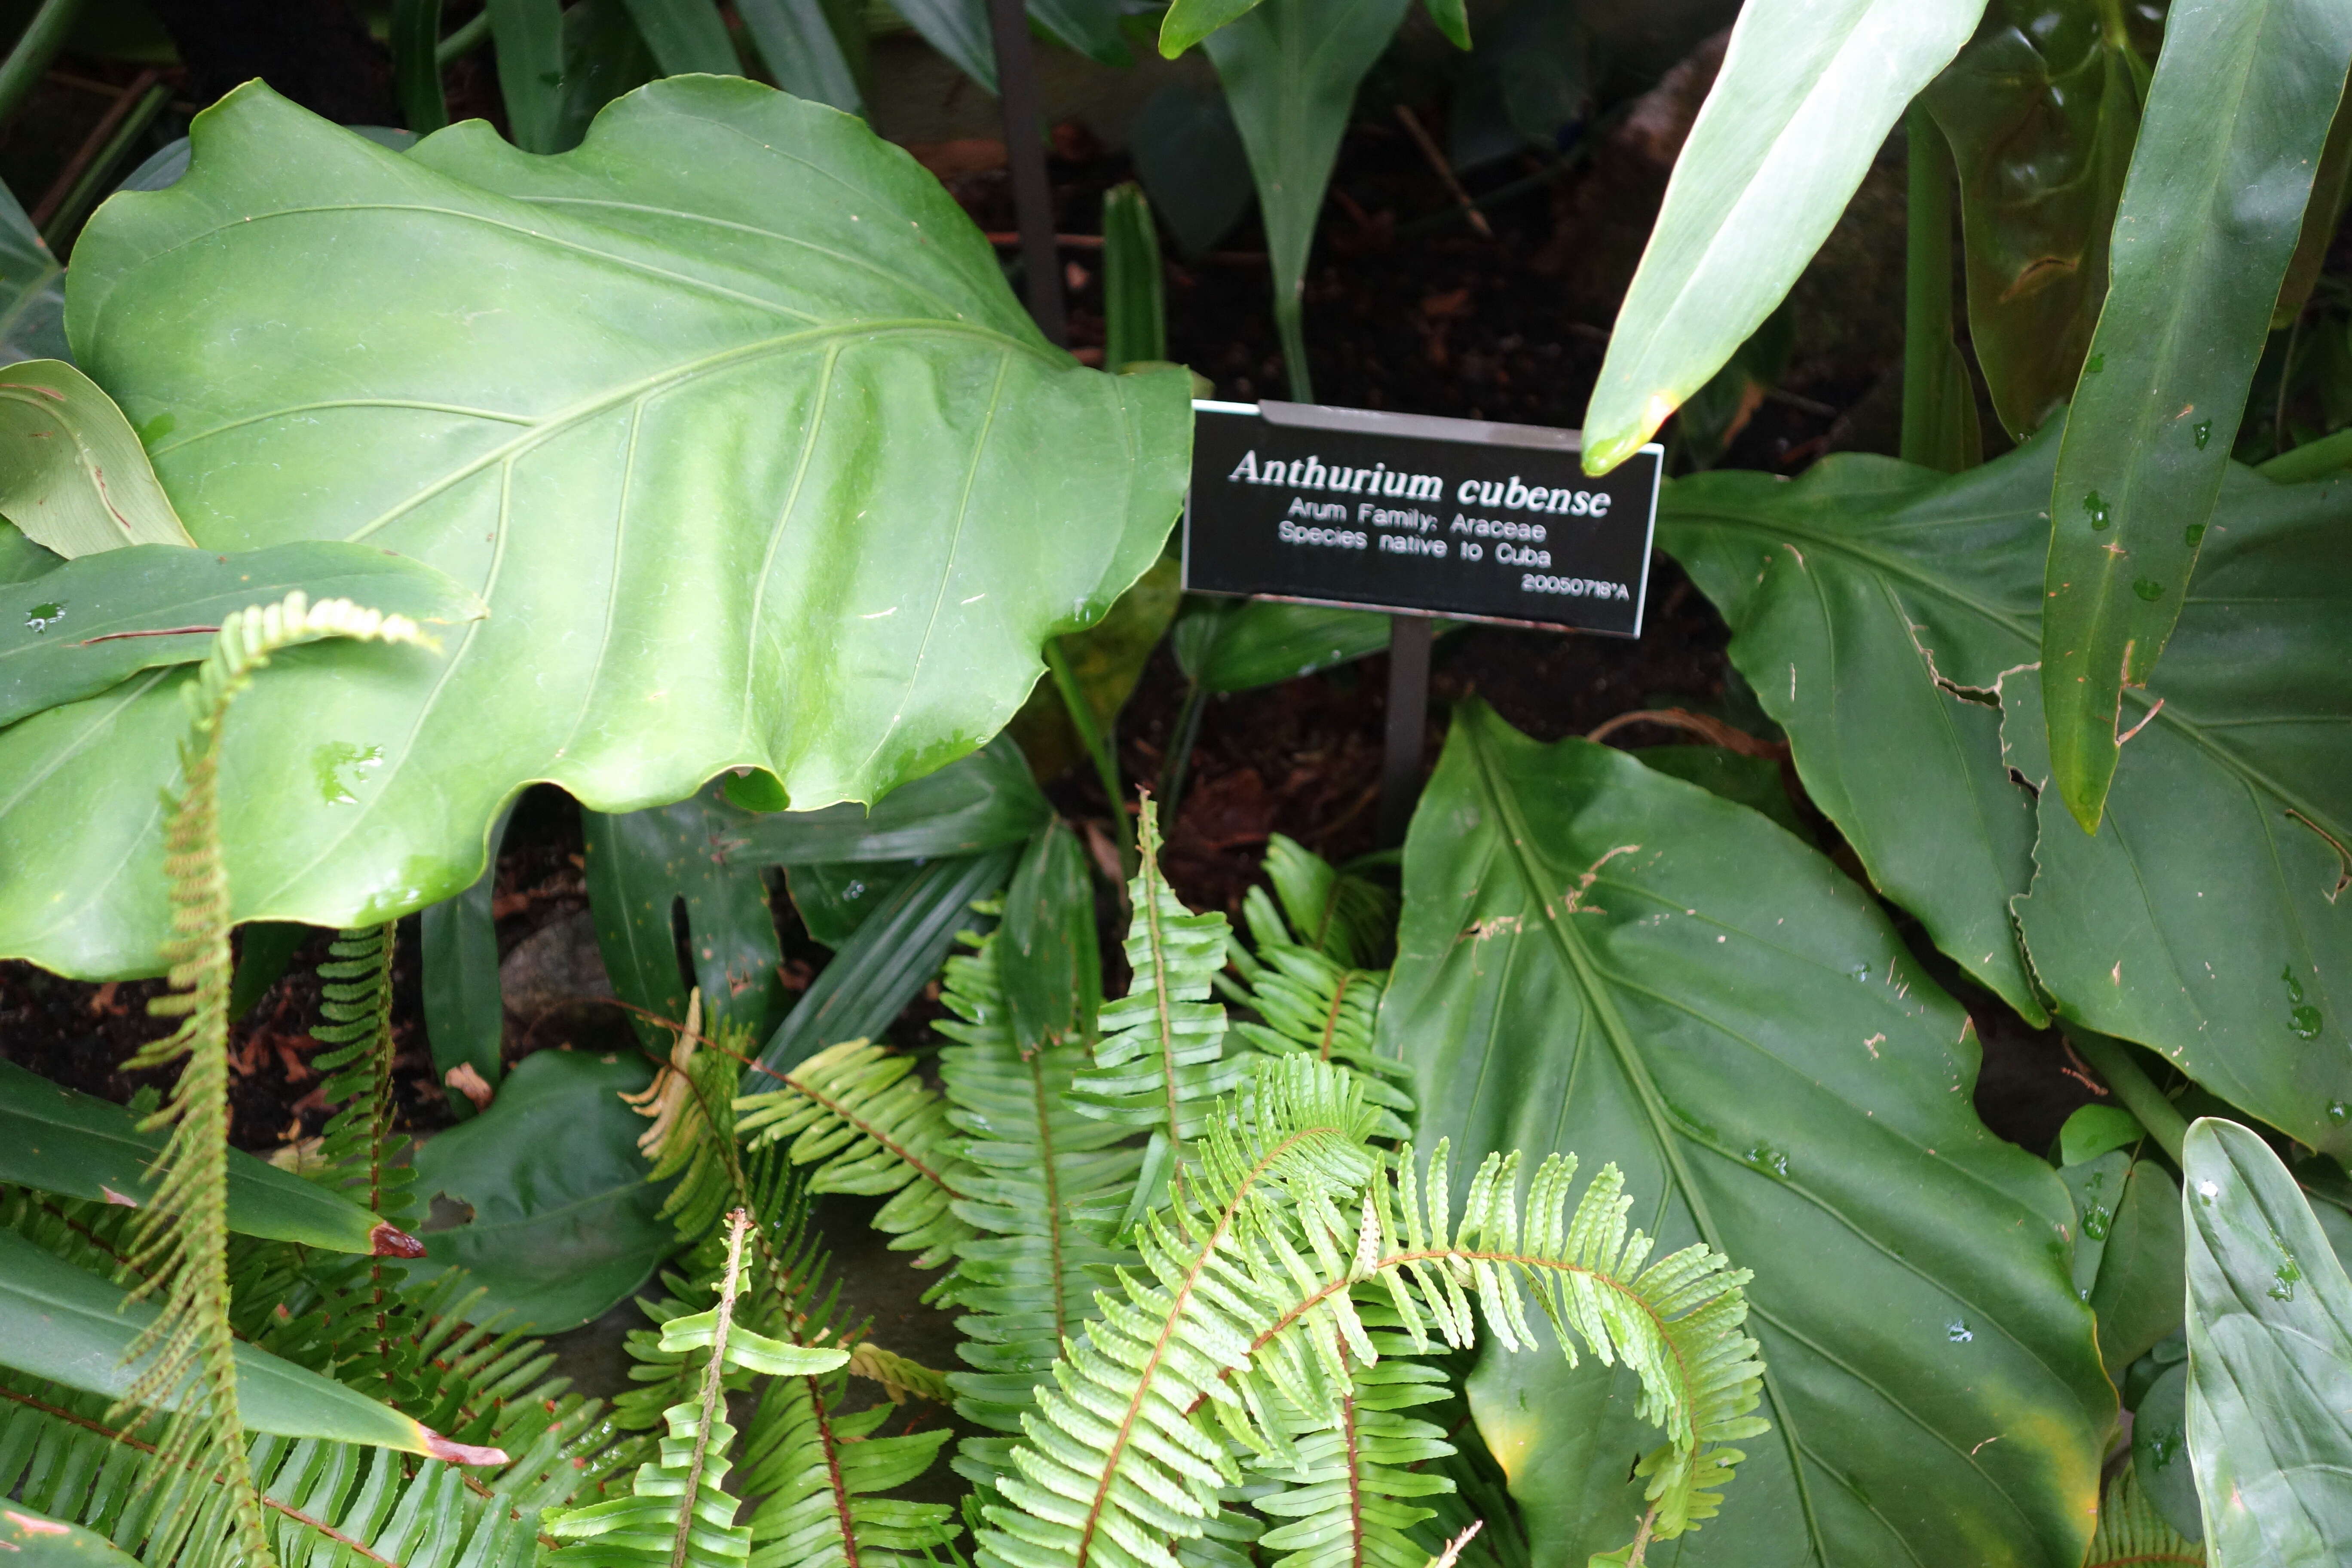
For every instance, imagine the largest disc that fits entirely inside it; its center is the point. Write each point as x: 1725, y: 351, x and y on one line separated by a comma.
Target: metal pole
x: 1407, y: 723
x: 1025, y: 153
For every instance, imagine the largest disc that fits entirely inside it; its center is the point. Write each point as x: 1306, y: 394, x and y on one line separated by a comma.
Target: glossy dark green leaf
x: 805, y: 51
x: 1453, y: 19
x: 72, y: 474
x: 531, y: 363
x: 1187, y: 22
x: 975, y: 803
x: 416, y: 64
x: 2270, y: 1359
x: 685, y: 36
x: 1135, y: 304
x: 1233, y: 648
x: 71, y: 1327
x: 1290, y: 69
x: 1806, y: 94
x: 1597, y: 958
x: 1189, y: 155
x: 32, y: 289
x: 1873, y: 606
x: 2331, y: 188
x: 96, y: 621
x: 833, y: 897
x: 2206, y: 918
x: 1939, y: 397
x: 457, y: 949
x: 564, y: 1222
x: 59, y: 1141
x: 2139, y: 1292
x: 604, y: 56
x: 642, y: 865
x: 958, y: 29
x: 2039, y: 110
x: 2093, y: 1130
x: 34, y: 1539
x: 2096, y: 1186
x: 1753, y: 782
x: 896, y: 952
x: 1048, y: 952
x: 2159, y: 1451
x: 264, y: 951
x: 529, y: 34
x: 1106, y: 661
x: 1089, y: 27
x: 2236, y: 119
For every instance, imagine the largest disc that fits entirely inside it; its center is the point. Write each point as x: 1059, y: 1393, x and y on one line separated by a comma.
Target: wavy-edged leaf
x: 720, y: 268
x: 1597, y: 957
x: 1806, y: 94
x: 99, y: 619
x: 59, y: 1141
x: 1026, y: 1278
x: 565, y: 1222
x: 2270, y: 1359
x: 2237, y: 116
x: 74, y: 477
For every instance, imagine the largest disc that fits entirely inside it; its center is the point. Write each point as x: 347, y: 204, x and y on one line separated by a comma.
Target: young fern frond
x: 356, y: 1144
x: 2132, y: 1531
x: 857, y: 1112
x: 1160, y: 1062
x: 1348, y: 920
x: 679, y: 1514
x: 1244, y: 1311
x: 182, y: 1240
x: 1306, y: 1000
x: 1027, y: 1279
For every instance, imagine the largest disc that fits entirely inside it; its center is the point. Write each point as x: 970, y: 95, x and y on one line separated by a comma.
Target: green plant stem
x: 2310, y: 461
x: 2132, y: 1085
x: 1926, y: 285
x: 1097, y: 747
x: 99, y: 177
x: 39, y: 45
x: 1287, y: 310
x: 463, y: 41
x: 1173, y: 767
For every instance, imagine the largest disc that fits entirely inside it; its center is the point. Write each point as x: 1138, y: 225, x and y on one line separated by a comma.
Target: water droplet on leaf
x: 2193, y: 535
x: 2305, y: 1021
x: 2095, y: 505
x: 2095, y: 365
x: 2338, y: 1113
x: 2293, y: 987
x: 2095, y: 1222
x: 2204, y: 433
x: 2148, y: 588
x: 41, y: 617
x: 328, y: 764
x: 1764, y: 1157
x: 1958, y: 1332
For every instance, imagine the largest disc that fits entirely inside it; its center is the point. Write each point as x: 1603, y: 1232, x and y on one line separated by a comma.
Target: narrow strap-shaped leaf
x: 529, y: 34
x: 2236, y: 122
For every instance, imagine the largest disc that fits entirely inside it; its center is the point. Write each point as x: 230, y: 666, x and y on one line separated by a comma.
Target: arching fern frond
x: 1347, y: 919
x: 1160, y: 1063
x: 183, y: 1236
x: 1245, y: 1314
x: 2131, y: 1531
x: 680, y: 1514
x: 857, y: 1113
x: 1307, y: 1001
x: 1027, y: 1280
x: 356, y: 1145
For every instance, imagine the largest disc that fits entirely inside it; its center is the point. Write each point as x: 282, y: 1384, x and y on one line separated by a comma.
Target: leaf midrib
x: 1602, y: 1007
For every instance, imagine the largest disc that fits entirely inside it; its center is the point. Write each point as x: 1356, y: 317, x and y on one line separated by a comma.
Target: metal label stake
x: 1025, y: 155
x: 1407, y: 723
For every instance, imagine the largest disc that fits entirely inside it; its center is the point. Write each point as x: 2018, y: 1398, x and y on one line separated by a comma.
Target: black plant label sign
x: 1417, y: 516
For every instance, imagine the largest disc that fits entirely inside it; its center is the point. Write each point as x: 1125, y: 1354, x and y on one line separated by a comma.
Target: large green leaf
x: 1599, y: 958
x: 2270, y: 1360
x: 1873, y: 606
x: 2237, y: 116
x: 565, y: 1222
x: 975, y: 803
x: 728, y: 414
x: 1290, y: 69
x: 2039, y: 109
x: 2206, y: 918
x: 71, y: 1327
x: 97, y: 620
x: 59, y: 1141
x: 1807, y: 93
x: 72, y: 474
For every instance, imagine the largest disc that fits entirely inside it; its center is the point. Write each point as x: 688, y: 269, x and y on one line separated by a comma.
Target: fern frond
x: 1160, y: 1061
x: 679, y: 1512
x: 1246, y: 1315
x: 2132, y: 1531
x: 183, y: 1236
x: 859, y: 1114
x: 1027, y: 1279
x: 1348, y: 920
x: 821, y: 1475
x: 356, y: 1144
x: 1307, y: 1001
x: 899, y: 1377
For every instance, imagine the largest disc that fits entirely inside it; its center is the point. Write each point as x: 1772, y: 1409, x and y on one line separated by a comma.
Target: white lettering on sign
x: 1413, y: 544
x: 1513, y: 495
x: 1308, y: 473
x: 1574, y: 587
x: 1338, y: 537
x: 1320, y: 511
x: 1495, y: 528
x: 1520, y: 555
x: 1387, y: 516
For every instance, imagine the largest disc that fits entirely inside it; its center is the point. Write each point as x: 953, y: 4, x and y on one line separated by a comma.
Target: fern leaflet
x: 2131, y: 1531
x: 1307, y: 1001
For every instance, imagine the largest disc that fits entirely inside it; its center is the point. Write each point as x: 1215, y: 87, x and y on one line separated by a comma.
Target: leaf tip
x: 388, y: 1240
x: 440, y: 1447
